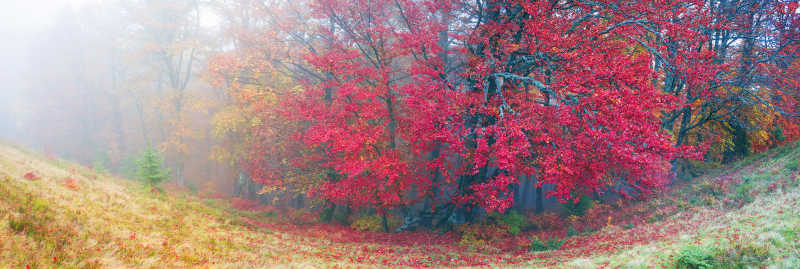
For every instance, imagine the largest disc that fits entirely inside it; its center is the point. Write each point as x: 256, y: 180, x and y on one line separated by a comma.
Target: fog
x: 97, y: 82
x: 20, y: 23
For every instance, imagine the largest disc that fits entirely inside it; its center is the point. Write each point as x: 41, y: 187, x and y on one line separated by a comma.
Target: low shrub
x: 326, y: 214
x: 709, y: 188
x: 571, y: 231
x: 578, y: 208
x: 244, y: 204
x: 792, y: 165
x: 70, y: 183
x: 692, y: 169
x: 512, y: 220
x: 191, y: 187
x: 538, y: 245
x: 744, y: 192
x: 703, y: 200
x: 30, y: 176
x: 478, y: 235
x: 792, y: 234
x: 694, y: 257
x: 545, y: 221
x: 35, y: 220
x: 20, y: 224
x: 742, y: 254
x: 339, y: 214
x: 301, y: 216
x: 659, y: 215
x: 371, y: 223
x: 470, y: 234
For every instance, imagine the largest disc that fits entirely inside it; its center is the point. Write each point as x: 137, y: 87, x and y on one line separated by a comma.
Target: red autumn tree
x: 450, y: 102
x: 721, y: 60
x: 558, y: 90
x: 550, y: 90
x: 259, y: 75
x: 356, y: 112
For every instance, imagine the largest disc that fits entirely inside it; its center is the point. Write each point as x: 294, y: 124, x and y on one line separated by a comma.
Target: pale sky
x: 27, y: 13
x: 20, y: 21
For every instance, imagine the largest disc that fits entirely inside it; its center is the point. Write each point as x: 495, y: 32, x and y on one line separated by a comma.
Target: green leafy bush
x: 326, y: 214
x: 371, y: 223
x: 339, y: 214
x: 513, y: 220
x: 571, y: 231
x: 694, y: 257
x: 792, y: 165
x: 744, y: 191
x: 479, y: 235
x: 692, y: 169
x: 792, y: 234
x: 538, y: 245
x: 20, y: 224
x: 779, y: 135
x: 578, y: 209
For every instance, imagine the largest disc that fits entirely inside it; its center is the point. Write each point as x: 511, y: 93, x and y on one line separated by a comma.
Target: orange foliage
x: 545, y: 221
x: 71, y: 183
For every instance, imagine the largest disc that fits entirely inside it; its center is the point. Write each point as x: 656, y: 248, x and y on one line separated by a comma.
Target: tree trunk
x: 385, y: 223
x: 539, y: 200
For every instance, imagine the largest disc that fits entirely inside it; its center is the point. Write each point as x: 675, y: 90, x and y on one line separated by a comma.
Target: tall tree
x: 172, y: 29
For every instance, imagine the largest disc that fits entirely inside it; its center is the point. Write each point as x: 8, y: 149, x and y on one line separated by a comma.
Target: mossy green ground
x: 746, y: 214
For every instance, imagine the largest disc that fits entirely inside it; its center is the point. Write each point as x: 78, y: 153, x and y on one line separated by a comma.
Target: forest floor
x: 57, y: 214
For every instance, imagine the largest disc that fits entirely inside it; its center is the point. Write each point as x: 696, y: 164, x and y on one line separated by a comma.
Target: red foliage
x: 357, y: 117
x: 580, y: 126
x: 435, y: 100
x: 243, y: 204
x: 577, y: 132
x: 546, y: 221
x: 30, y: 176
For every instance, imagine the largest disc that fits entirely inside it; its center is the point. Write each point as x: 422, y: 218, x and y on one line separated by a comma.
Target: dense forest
x: 476, y: 120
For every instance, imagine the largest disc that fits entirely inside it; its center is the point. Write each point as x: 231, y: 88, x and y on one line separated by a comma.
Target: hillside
x: 58, y: 214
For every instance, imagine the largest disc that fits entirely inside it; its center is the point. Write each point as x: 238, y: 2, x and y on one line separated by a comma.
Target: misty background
x: 97, y: 82
x: 20, y: 21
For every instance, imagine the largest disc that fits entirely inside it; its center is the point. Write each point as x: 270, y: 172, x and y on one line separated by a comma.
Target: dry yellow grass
x: 113, y: 223
x: 108, y: 222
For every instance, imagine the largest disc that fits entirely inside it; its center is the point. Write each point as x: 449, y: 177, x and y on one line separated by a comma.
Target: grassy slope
x: 110, y: 222
x: 764, y: 230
